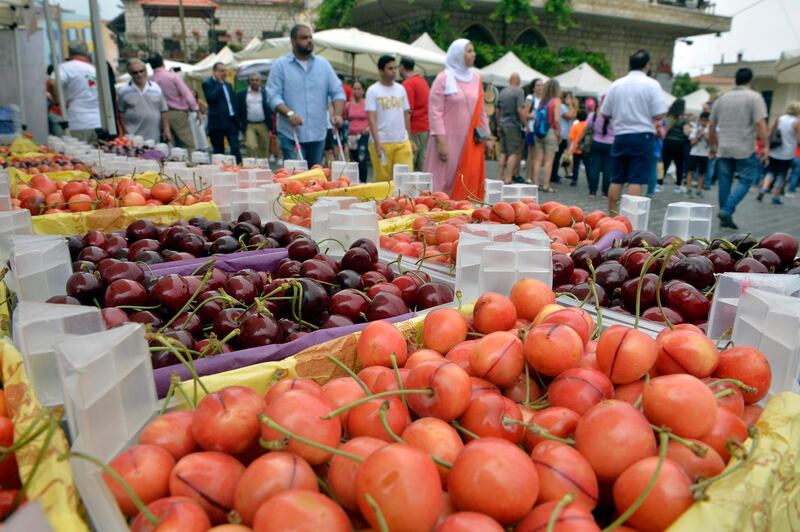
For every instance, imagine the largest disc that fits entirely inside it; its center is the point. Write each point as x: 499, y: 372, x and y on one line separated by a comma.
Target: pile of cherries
x: 213, y: 311
x: 689, y: 275
x: 519, y: 415
x: 143, y: 241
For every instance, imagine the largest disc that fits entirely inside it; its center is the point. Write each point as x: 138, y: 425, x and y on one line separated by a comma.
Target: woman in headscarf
x: 459, y: 127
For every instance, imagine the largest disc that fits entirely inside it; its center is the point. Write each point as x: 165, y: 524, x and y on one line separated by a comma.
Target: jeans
x: 311, y: 151
x: 795, y: 175
x: 218, y: 136
x: 674, y: 151
x: 360, y: 154
x: 711, y: 175
x: 748, y: 170
x: 599, y: 161
x: 577, y: 158
x: 562, y: 147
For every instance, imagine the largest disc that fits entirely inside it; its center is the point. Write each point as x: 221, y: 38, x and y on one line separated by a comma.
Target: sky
x: 761, y: 29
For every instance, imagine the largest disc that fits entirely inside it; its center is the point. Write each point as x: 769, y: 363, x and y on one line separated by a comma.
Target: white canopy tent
x: 498, y: 72
x: 255, y: 41
x: 351, y: 51
x: 695, y: 101
x: 168, y: 64
x: 668, y: 98
x: 425, y: 42
x: 583, y: 80
x: 203, y: 68
x: 245, y: 68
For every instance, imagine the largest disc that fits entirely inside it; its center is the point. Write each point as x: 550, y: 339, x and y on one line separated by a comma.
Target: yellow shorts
x: 395, y: 153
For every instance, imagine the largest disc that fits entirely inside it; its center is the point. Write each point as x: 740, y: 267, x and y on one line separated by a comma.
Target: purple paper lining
x: 261, y: 260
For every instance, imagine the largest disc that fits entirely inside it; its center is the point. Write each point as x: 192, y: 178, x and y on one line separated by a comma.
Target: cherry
x: 782, y: 244
x: 768, y: 258
x: 349, y: 303
x: 290, y: 268
x: 613, y: 435
x: 124, y: 292
x: 443, y: 329
x: 438, y: 439
x: 319, y: 270
x: 75, y: 245
x: 357, y: 259
x: 219, y: 233
x: 450, y: 385
x: 193, y: 244
x: 172, y: 432
x: 140, y: 246
x: 384, y: 287
x: 743, y: 243
x: 244, y: 229
x: 682, y: 403
x: 122, y: 270
x: 648, y: 297
x: 368, y: 245
x: 749, y: 365
x: 302, y: 249
x: 553, y: 348
x: 686, y: 351
x: 365, y: 419
x: 267, y: 476
x: 83, y: 266
x: 749, y: 265
x: 315, y: 300
x: 146, y: 469
x: 115, y: 243
x: 655, y: 314
x: 335, y: 320
x: 147, y: 257
x: 384, y: 270
x: 258, y: 330
x: 431, y: 295
x: 146, y: 317
x: 223, y: 244
x: 276, y: 230
x: 611, y: 275
x: 579, y: 277
x: 112, y: 317
x: 625, y: 354
x: 226, y: 321
x: 583, y: 291
x: 687, y: 300
x: 330, y: 261
x: 586, y: 254
x: 563, y: 470
x: 614, y: 254
x: 85, y: 287
x: 498, y: 358
x: 529, y: 297
x: 348, y: 279
x: 493, y: 312
x: 634, y: 260
x: 209, y: 479
x: 141, y: 230
x: 92, y: 254
x: 494, y: 466
x: 721, y: 260
x: 343, y: 470
x: 696, y: 467
x: 241, y: 288
x: 562, y: 268
x: 487, y: 413
x: 373, y: 277
x: 469, y: 521
x: 579, y: 389
x: 572, y: 518
x: 63, y: 300
x: 170, y: 291
x: 299, y: 509
x: 385, y: 305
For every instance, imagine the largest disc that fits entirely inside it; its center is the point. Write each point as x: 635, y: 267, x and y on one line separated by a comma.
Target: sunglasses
x: 138, y: 72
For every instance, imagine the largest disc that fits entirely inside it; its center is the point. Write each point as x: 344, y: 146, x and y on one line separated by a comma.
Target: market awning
x: 498, y: 72
x: 583, y: 80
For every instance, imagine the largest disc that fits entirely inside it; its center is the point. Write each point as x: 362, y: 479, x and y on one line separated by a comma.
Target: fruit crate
x: 687, y: 220
x: 636, y: 209
x: 262, y: 260
x: 365, y: 191
x: 53, y: 487
x: 109, y: 220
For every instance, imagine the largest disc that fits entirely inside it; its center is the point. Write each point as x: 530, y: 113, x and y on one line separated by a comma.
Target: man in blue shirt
x: 299, y: 87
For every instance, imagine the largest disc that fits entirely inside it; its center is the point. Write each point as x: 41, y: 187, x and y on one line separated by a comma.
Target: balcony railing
x: 701, y: 5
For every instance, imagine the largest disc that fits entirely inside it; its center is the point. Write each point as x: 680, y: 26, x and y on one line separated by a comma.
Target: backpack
x: 585, y: 142
x: 541, y: 123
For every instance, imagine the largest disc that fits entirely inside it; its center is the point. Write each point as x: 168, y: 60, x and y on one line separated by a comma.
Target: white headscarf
x: 455, y: 68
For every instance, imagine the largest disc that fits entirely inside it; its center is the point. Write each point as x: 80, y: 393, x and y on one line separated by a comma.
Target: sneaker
x: 776, y: 201
x: 518, y: 179
x: 726, y: 220
x: 574, y: 184
x: 760, y: 195
x: 678, y: 190
x: 699, y: 194
x: 657, y: 189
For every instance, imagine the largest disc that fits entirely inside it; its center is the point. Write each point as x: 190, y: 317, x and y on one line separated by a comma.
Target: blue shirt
x: 306, y: 92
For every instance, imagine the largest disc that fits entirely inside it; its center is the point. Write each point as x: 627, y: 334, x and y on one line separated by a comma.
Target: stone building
x: 615, y: 27
x: 209, y: 23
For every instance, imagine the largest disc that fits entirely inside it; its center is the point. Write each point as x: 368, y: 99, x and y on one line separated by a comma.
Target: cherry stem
x: 265, y: 420
x: 662, y: 455
x: 460, y: 299
x: 646, y: 266
x: 326, y: 488
x: 200, y: 267
x: 332, y: 240
x: 459, y: 427
x: 52, y: 426
x: 388, y: 393
x: 399, y: 378
x: 145, y: 511
x: 385, y: 422
x: 593, y: 287
x: 527, y: 385
x: 187, y: 363
x: 188, y: 303
x: 565, y: 500
x: 536, y: 430
x: 724, y: 393
x: 350, y: 372
x: 214, y: 343
x: 382, y: 525
x: 698, y: 450
x: 699, y: 489
x: 174, y: 380
x: 670, y: 251
x: 739, y: 384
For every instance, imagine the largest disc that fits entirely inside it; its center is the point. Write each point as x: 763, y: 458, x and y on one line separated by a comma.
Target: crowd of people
x: 444, y: 128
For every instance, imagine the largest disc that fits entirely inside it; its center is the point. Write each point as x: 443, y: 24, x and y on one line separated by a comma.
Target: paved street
x: 760, y: 218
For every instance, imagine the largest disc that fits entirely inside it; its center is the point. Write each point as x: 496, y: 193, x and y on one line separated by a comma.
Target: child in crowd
x: 575, y: 134
x: 698, y: 155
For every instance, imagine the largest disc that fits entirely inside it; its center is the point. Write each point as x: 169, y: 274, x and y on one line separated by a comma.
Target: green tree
x: 546, y: 60
x: 683, y: 84
x: 335, y: 13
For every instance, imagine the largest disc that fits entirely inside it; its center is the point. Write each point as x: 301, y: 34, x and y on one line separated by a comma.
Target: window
x: 479, y: 33
x: 87, y: 34
x: 531, y: 37
x: 72, y: 34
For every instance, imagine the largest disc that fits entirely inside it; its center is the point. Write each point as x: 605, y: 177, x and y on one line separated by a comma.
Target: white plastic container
x: 771, y: 323
x: 178, y: 154
x: 493, y: 232
x: 494, y: 191
x: 503, y: 264
x: 729, y: 289
x: 249, y: 162
x: 341, y: 169
x: 37, y: 329
x: 414, y: 183
x: 400, y: 169
x: 351, y: 225
x: 686, y: 220
x: 369, y: 206
x: 468, y: 263
x: 163, y: 148
x: 260, y: 200
x: 222, y: 185
x: 637, y: 210
x: 320, y: 213
x: 534, y: 237
x: 40, y: 266
x: 109, y: 395
x: 295, y: 165
x: 519, y: 192
x: 17, y: 222
x: 220, y: 159
x: 200, y: 157
x: 254, y: 177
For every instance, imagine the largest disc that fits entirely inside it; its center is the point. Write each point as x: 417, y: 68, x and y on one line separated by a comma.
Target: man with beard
x: 299, y: 88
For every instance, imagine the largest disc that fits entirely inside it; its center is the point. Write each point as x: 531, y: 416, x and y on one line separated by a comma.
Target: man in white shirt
x: 389, y: 116
x: 255, y: 117
x: 142, y: 107
x: 633, y: 103
x: 79, y: 82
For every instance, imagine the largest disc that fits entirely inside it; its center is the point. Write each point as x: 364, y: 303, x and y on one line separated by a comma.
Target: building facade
x: 235, y: 22
x: 615, y: 27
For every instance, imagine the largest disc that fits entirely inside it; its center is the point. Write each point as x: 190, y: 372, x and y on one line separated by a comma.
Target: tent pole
x: 183, y: 30
x: 104, y: 87
x: 54, y: 56
x: 18, y: 53
x: 352, y: 68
